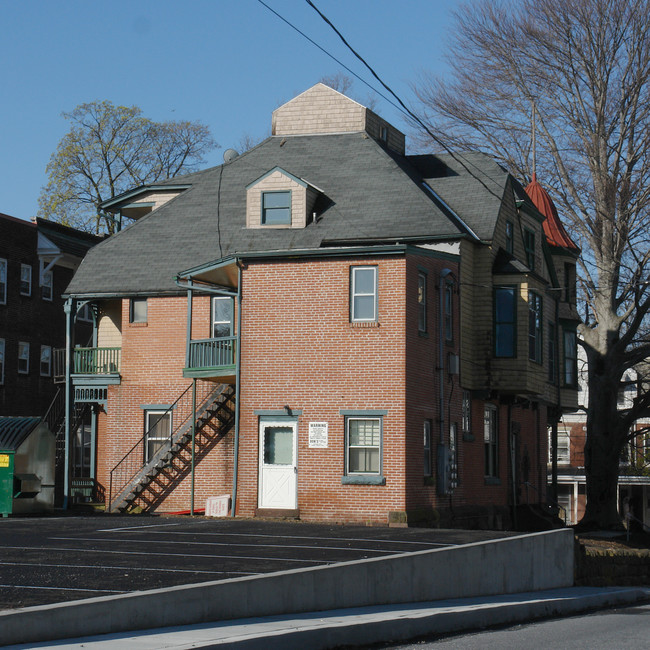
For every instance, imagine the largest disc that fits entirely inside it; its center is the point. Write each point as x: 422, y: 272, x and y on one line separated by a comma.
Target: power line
x: 400, y: 105
x: 331, y: 56
x: 404, y: 107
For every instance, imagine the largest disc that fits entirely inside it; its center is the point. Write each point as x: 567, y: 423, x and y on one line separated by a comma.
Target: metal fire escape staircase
x: 148, y: 482
x: 55, y: 420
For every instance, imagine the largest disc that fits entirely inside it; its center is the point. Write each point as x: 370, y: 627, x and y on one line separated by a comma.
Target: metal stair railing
x: 133, y: 465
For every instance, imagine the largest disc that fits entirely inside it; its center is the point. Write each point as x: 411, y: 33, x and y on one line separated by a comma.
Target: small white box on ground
x: 217, y: 506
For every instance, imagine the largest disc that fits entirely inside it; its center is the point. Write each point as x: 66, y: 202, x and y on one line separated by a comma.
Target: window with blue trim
x: 276, y: 208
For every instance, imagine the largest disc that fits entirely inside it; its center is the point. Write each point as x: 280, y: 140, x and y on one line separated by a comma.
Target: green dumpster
x: 6, y: 482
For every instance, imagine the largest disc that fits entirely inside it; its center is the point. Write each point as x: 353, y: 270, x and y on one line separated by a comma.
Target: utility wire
x: 331, y: 56
x: 404, y: 108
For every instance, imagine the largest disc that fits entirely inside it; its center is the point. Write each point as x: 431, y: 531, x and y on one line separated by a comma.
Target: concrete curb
x: 361, y: 626
x: 509, y: 565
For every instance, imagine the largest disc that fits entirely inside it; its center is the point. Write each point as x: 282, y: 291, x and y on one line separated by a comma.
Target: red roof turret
x: 555, y: 233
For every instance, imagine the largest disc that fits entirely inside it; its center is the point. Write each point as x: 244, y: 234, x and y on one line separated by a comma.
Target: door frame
x: 282, y: 421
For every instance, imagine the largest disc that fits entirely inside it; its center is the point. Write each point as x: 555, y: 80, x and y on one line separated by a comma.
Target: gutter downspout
x: 233, y: 507
x: 443, y: 459
x: 558, y: 412
x: 67, y: 308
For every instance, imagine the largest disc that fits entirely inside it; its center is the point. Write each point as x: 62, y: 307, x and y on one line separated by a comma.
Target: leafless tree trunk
x: 583, y: 68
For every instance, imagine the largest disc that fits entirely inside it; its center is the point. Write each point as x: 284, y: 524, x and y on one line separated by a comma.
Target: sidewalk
x: 364, y: 625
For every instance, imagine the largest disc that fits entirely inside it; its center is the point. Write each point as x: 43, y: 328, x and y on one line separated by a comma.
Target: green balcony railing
x: 96, y: 361
x: 212, y: 353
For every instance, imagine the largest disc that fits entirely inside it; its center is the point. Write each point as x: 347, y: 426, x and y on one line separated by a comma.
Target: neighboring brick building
x: 360, y: 335
x: 634, y: 467
x: 37, y: 262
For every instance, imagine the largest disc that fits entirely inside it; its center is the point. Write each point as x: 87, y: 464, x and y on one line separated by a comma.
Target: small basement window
x: 276, y: 208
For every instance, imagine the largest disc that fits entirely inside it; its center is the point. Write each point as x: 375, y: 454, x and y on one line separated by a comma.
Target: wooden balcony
x: 87, y: 361
x: 212, y: 358
x: 96, y: 361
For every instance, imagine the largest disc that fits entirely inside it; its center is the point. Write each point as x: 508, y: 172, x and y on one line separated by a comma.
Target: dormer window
x: 278, y: 199
x: 276, y: 208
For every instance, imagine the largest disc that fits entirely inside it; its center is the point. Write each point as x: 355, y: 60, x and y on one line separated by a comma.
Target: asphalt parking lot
x: 55, y: 559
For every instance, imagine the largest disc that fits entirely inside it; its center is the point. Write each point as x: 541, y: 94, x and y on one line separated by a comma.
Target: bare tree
x: 580, y: 69
x: 110, y: 149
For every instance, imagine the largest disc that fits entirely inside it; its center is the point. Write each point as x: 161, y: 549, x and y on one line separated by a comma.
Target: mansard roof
x: 370, y: 195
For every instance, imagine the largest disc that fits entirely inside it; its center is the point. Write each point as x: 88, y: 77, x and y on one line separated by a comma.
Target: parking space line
x: 110, y: 530
x: 183, y: 555
x: 106, y: 591
x: 337, y: 539
x: 162, y: 541
x: 121, y: 568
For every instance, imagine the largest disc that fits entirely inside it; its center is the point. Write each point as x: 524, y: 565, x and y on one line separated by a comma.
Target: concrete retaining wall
x: 516, y: 564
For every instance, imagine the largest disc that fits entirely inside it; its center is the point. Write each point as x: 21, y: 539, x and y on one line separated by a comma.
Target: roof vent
x: 229, y: 155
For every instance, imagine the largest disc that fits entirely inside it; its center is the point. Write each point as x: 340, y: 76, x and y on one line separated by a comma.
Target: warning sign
x: 4, y: 460
x: 318, y: 435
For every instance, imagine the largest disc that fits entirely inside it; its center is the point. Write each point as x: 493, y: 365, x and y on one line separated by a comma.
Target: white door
x: 278, y: 467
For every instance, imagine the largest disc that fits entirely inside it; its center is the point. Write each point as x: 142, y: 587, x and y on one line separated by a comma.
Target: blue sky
x: 226, y: 63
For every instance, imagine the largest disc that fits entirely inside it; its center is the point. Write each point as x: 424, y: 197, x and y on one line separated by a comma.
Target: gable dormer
x: 321, y: 109
x: 278, y: 199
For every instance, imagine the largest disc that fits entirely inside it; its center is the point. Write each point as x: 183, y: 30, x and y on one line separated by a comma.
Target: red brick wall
x: 153, y: 357
x: 299, y: 349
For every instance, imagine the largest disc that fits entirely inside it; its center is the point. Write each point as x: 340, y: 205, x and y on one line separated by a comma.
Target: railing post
x: 67, y: 307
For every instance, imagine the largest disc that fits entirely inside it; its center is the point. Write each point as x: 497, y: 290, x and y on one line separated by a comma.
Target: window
x: 552, y: 352
x: 3, y: 282
x: 570, y: 358
x: 363, y: 294
x: 46, y: 360
x: 23, y: 358
x: 138, y: 310
x: 534, y: 327
x: 563, y: 446
x: 422, y: 302
x: 25, y: 280
x: 449, y: 313
x: 510, y: 237
x: 505, y: 321
x: 490, y: 440
x: 427, y: 448
x: 453, y: 455
x: 569, y: 282
x: 46, y: 278
x: 81, y: 443
x: 363, y: 437
x: 2, y: 361
x: 158, y: 428
x: 84, y: 313
x: 222, y: 317
x: 466, y: 422
x: 529, y: 247
x: 276, y: 208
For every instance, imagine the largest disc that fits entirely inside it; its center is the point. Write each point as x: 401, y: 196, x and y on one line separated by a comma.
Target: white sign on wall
x: 318, y: 435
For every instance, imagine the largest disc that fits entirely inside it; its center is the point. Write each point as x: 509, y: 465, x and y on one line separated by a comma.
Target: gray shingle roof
x: 370, y: 194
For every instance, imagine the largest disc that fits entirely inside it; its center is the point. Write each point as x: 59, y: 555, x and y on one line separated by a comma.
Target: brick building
x: 347, y: 332
x: 634, y: 465
x: 37, y: 262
